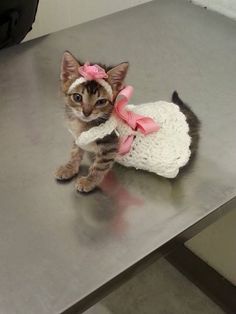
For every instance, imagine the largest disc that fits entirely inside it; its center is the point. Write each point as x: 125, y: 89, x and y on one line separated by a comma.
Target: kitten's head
x: 89, y: 100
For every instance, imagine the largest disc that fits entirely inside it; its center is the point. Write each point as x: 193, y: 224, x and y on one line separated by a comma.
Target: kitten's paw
x: 66, y: 172
x: 83, y: 184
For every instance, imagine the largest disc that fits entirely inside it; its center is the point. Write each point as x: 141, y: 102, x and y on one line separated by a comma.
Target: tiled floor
x: 160, y: 289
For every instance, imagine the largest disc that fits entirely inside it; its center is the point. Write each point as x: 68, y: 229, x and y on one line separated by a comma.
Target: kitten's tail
x: 192, y: 120
x: 178, y: 101
x: 175, y: 98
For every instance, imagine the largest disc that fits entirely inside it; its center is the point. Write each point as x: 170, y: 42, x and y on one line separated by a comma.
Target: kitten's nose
x: 87, y: 112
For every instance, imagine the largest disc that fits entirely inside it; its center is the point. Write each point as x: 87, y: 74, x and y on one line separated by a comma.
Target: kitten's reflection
x: 103, y: 210
x: 131, y: 203
x: 126, y: 201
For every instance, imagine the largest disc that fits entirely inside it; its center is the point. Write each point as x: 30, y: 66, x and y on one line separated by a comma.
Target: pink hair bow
x: 145, y: 125
x: 92, y: 72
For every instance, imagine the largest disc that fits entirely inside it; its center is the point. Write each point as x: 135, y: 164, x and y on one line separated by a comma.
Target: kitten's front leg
x: 107, y: 150
x: 70, y: 169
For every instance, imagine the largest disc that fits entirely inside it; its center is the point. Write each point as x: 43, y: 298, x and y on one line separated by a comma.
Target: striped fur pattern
x: 87, y: 105
x: 103, y: 162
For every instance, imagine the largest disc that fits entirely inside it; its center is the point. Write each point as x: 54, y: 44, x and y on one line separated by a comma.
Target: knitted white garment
x: 163, y: 152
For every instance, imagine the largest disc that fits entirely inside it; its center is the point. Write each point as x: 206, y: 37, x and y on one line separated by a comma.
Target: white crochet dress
x: 163, y: 152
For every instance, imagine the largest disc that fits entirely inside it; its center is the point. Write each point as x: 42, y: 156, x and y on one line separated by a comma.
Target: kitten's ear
x: 69, y: 67
x: 117, y: 75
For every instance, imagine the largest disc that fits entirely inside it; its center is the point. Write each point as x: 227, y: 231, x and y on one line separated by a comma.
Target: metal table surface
x: 58, y: 247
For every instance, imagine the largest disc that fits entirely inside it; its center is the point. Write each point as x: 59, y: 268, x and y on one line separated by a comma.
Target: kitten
x: 89, y: 105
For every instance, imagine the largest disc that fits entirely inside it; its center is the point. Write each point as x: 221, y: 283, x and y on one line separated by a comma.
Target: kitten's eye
x: 101, y: 102
x: 77, y: 97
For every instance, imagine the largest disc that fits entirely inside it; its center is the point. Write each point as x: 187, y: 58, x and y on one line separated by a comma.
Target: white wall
x: 226, y: 7
x: 54, y: 15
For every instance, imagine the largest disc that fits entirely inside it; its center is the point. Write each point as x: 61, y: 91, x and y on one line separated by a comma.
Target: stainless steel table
x: 60, y: 250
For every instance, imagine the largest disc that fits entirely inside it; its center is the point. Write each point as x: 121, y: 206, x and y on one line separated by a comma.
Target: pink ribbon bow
x: 145, y: 125
x: 92, y: 72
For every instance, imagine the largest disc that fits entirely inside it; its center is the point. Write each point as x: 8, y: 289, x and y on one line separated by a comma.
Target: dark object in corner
x: 16, y: 19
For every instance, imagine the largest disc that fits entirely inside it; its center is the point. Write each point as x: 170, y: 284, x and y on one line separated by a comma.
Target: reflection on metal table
x: 60, y: 250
